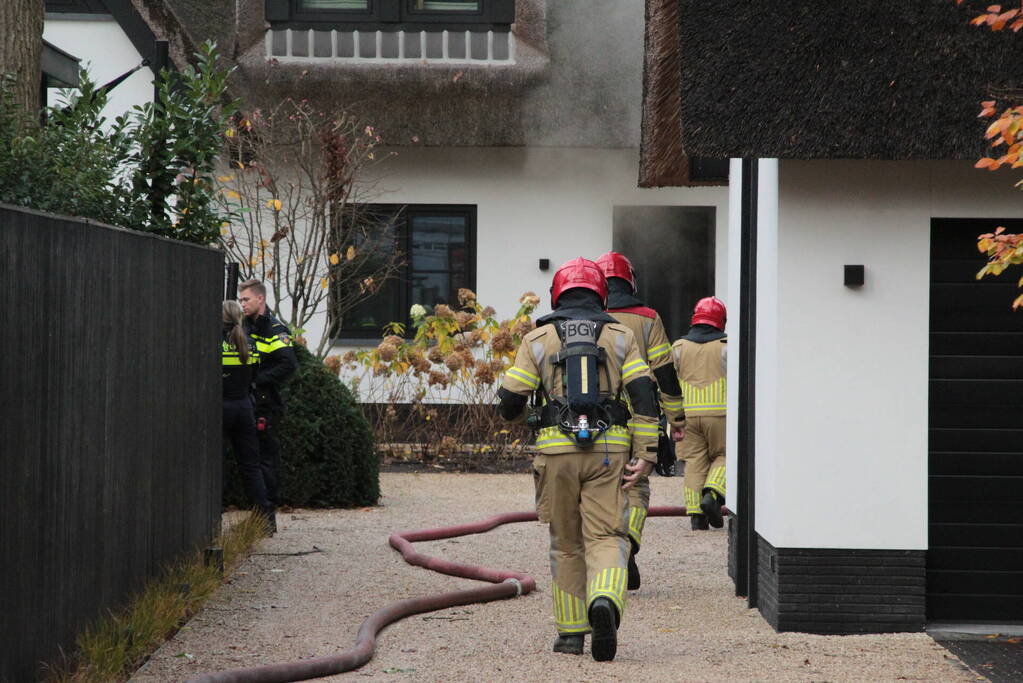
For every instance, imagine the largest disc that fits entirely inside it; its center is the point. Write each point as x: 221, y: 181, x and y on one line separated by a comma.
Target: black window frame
x: 75, y: 7
x: 403, y: 242
x: 391, y: 15
x: 708, y: 170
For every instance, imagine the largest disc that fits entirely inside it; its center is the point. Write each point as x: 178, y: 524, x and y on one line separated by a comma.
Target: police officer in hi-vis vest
x: 583, y: 364
x: 654, y: 347
x: 700, y: 363
x: 239, y: 359
x: 277, y: 362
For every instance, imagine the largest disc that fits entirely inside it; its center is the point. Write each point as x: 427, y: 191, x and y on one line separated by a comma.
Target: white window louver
x: 431, y: 47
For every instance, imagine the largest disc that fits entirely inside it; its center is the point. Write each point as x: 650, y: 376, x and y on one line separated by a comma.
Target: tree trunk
x: 21, y: 44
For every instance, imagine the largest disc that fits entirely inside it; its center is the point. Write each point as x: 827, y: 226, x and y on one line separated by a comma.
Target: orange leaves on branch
x: 1003, y: 250
x: 997, y: 20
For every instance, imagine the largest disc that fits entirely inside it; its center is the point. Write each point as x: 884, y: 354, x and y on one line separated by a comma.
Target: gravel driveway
x: 683, y: 624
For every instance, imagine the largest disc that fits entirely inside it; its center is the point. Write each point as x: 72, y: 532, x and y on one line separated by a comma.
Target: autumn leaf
x: 274, y: 204
x: 229, y: 133
x: 984, y: 163
x: 323, y: 283
x: 334, y: 259
x: 350, y: 253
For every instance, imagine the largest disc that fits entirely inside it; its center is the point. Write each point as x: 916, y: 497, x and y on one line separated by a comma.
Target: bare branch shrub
x: 297, y: 188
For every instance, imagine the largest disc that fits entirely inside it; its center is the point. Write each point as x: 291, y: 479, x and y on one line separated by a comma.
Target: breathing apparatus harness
x: 582, y: 414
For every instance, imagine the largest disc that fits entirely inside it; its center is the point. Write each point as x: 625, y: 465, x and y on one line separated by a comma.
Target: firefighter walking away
x: 625, y: 306
x: 581, y: 365
x: 700, y: 363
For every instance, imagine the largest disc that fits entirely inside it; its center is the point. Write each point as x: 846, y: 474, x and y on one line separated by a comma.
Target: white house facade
x: 111, y: 40
x: 874, y: 437
x: 537, y: 207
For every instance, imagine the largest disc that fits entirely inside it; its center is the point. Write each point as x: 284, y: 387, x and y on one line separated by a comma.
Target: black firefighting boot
x: 711, y: 506
x: 569, y: 643
x: 604, y: 622
x: 270, y: 514
x: 634, y: 578
x: 699, y: 522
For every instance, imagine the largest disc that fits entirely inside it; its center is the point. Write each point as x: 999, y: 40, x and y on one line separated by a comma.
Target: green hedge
x: 328, y: 457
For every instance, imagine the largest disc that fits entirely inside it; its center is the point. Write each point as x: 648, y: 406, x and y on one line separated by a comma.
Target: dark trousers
x: 270, y: 451
x: 240, y: 431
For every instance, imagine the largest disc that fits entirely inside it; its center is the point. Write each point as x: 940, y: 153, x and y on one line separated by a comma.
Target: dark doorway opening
x: 975, y: 477
x: 672, y: 249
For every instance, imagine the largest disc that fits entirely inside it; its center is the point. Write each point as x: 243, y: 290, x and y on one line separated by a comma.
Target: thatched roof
x: 662, y: 160
x: 873, y: 79
x: 575, y: 83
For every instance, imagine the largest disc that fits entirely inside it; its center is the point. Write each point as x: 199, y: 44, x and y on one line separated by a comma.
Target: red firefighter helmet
x: 710, y: 311
x: 578, y: 272
x: 618, y: 265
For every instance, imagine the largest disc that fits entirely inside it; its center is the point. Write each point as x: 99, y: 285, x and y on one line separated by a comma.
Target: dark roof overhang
x: 810, y: 80
x: 60, y: 69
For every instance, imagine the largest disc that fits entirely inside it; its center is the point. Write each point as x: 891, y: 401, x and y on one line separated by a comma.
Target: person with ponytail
x: 238, y: 359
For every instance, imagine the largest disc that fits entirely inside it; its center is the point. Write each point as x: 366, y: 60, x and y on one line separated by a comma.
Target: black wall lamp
x: 855, y: 276
x: 545, y: 264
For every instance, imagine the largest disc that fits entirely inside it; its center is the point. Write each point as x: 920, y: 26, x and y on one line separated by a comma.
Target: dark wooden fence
x: 110, y: 421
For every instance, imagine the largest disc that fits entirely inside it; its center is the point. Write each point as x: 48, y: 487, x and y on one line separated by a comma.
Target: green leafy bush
x: 327, y: 454
x: 150, y: 169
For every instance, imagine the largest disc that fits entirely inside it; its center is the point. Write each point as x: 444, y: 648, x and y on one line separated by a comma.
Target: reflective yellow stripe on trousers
x: 609, y: 583
x: 569, y: 611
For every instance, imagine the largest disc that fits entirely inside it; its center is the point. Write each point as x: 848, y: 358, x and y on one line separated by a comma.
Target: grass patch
x: 116, y: 645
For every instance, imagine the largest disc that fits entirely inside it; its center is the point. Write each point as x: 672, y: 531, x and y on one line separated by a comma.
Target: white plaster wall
x: 104, y: 48
x: 533, y: 203
x: 730, y: 294
x: 850, y: 368
x: 767, y: 343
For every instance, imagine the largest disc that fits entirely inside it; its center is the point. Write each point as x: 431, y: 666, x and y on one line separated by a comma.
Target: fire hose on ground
x: 506, y: 584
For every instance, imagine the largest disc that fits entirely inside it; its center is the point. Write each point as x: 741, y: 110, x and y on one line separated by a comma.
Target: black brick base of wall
x: 833, y: 591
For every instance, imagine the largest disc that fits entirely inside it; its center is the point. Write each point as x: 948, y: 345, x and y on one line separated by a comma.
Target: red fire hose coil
x: 506, y: 584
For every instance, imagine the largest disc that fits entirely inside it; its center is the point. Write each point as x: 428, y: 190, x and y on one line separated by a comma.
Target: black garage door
x: 975, y: 556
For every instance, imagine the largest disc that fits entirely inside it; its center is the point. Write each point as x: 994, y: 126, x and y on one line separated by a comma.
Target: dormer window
x: 416, y: 5
x: 392, y: 15
x: 392, y: 31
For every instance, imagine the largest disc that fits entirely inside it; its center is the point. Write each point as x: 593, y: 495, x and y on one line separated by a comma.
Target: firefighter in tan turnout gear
x: 654, y: 347
x: 700, y: 363
x: 583, y: 364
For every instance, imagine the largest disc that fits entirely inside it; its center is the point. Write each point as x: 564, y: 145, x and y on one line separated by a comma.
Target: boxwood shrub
x: 328, y: 457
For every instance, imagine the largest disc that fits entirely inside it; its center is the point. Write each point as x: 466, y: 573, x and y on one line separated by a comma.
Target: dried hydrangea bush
x: 432, y: 396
